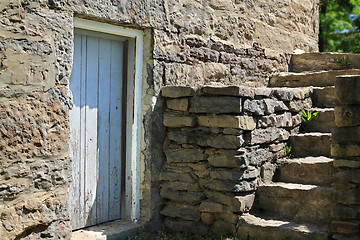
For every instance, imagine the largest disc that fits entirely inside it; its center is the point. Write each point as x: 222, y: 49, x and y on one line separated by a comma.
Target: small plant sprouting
x: 343, y: 62
x: 287, y: 151
x: 307, y: 116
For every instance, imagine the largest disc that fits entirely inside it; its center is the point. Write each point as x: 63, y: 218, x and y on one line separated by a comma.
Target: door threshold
x: 118, y: 229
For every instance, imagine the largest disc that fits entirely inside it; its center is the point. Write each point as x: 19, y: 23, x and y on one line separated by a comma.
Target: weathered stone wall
x: 346, y: 153
x: 186, y: 43
x: 221, y: 143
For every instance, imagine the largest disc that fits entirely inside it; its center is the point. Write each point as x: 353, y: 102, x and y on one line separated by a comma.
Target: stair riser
x: 323, y: 61
x: 311, y: 206
x: 322, y: 79
x: 324, y: 97
x: 324, y: 122
x: 321, y: 174
x: 304, y: 146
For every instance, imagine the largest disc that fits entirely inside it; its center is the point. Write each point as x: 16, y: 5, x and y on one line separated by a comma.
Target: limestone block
x: 172, y: 120
x: 215, y: 105
x: 224, y: 158
x: 283, y: 94
x: 177, y: 91
x: 346, y: 134
x: 180, y: 104
x: 236, y: 204
x: 348, y: 176
x: 267, y: 135
x: 263, y: 92
x: 347, y: 116
x: 211, y: 207
x: 302, y: 93
x: 182, y: 211
x: 282, y: 120
x: 191, y: 198
x: 228, y: 216
x: 254, y: 156
x: 184, y: 155
x: 345, y: 150
x: 254, y: 106
x: 226, y: 227
x: 343, y: 212
x: 347, y: 196
x: 184, y: 75
x: 216, y: 71
x: 298, y: 105
x: 220, y: 141
x: 345, y: 227
x: 179, y: 185
x: 207, y: 218
x: 205, y: 54
x: 228, y: 186
x: 346, y: 163
x: 233, y: 175
x: 238, y: 91
x: 347, y: 89
x: 176, y: 176
x: 272, y: 106
x: 227, y: 121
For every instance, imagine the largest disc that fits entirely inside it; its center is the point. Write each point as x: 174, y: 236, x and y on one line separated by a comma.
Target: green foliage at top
x: 307, y: 116
x: 339, y: 26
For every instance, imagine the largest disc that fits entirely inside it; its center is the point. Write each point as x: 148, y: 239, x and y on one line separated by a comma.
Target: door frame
x: 133, y: 114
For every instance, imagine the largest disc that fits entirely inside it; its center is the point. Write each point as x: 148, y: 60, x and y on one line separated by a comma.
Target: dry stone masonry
x: 186, y: 43
x: 346, y: 152
x: 221, y: 144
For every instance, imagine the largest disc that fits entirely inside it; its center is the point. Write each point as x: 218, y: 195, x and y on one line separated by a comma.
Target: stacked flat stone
x: 346, y: 153
x: 221, y: 143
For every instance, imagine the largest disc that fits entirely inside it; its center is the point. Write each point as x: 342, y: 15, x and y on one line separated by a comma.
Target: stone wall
x: 186, y: 43
x: 346, y: 153
x: 221, y: 143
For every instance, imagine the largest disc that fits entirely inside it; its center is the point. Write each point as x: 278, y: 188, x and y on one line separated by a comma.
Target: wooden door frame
x: 135, y: 44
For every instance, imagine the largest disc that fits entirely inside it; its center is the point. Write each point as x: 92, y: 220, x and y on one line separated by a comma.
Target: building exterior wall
x: 185, y: 43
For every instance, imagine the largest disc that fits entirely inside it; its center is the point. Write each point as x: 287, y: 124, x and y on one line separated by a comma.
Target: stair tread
x: 307, y: 160
x: 318, y: 109
x: 320, y: 78
x: 295, y: 186
x: 263, y: 221
x: 311, y: 134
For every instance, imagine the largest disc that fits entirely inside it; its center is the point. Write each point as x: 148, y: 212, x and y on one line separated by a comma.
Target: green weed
x: 342, y: 62
x: 307, y: 116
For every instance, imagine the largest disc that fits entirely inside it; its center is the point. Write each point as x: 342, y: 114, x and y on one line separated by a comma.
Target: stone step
x: 310, y: 170
x: 324, y: 97
x: 256, y: 227
x: 306, y: 79
x: 313, y: 144
x: 324, y: 61
x: 324, y: 122
x: 296, y: 202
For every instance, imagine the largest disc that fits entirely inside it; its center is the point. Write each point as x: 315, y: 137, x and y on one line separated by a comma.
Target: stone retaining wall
x: 185, y: 43
x: 346, y: 153
x: 221, y: 143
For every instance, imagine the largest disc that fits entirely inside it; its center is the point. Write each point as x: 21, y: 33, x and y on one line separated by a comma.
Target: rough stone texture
x: 346, y: 149
x: 346, y: 89
x: 214, y: 167
x: 190, y: 43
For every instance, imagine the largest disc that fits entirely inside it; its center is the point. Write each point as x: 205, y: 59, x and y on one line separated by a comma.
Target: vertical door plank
x: 115, y: 132
x: 103, y: 189
x: 82, y: 215
x: 75, y: 132
x: 91, y: 165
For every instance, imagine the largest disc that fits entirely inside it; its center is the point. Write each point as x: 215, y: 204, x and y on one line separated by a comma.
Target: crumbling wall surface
x: 35, y: 52
x: 217, y: 41
x: 346, y: 153
x: 221, y: 143
x: 186, y: 43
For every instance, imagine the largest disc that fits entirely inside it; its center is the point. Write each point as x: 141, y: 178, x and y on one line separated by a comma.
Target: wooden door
x: 96, y: 123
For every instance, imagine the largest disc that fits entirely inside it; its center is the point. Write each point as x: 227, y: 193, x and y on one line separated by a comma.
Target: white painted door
x: 96, y: 130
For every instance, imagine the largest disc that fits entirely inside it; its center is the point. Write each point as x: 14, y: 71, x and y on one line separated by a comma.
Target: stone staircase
x: 297, y: 204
